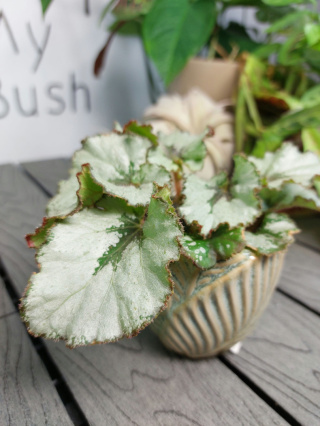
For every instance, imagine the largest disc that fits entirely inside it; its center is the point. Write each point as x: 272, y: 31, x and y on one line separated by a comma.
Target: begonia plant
x: 131, y: 207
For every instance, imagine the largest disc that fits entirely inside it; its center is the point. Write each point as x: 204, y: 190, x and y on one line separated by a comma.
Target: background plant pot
x: 217, y: 78
x: 212, y: 310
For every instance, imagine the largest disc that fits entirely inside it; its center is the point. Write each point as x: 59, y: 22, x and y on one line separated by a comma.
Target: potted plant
x: 135, y: 232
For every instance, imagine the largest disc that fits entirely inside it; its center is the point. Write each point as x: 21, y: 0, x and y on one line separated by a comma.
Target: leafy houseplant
x: 134, y: 214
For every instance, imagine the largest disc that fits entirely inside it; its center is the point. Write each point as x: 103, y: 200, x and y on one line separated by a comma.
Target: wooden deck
x: 274, y: 380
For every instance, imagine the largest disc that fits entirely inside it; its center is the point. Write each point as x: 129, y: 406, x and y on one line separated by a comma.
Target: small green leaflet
x: 179, y: 147
x: 287, y: 164
x: 117, y: 163
x: 311, y: 140
x: 104, y: 272
x: 144, y: 130
x: 274, y: 234
x: 222, y: 244
x: 207, y: 203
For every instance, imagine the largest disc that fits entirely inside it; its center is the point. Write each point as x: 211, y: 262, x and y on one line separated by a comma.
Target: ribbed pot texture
x: 212, y: 310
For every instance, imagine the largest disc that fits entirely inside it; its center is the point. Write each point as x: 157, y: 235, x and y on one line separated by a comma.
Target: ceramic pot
x: 217, y: 78
x: 212, y: 310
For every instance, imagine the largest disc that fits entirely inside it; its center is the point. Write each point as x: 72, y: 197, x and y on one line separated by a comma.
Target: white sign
x: 49, y: 97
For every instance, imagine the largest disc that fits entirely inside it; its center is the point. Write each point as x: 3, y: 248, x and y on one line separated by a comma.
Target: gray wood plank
x: 6, y: 307
x: 49, y: 172
x: 310, y: 226
x: 209, y: 385
x: 22, y: 206
x: 138, y: 382
x: 283, y: 357
x: 301, y: 276
x: 27, y: 394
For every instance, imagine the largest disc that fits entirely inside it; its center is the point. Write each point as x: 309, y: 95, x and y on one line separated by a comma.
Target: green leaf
x: 312, y: 33
x: 179, y: 147
x: 311, y: 140
x: 174, y: 31
x: 104, y: 272
x: 264, y: 145
x: 222, y: 244
x: 89, y: 191
x: 144, y: 130
x: 45, y: 4
x: 292, y: 122
x: 311, y: 97
x: 287, y: 164
x: 209, y: 205
x: 289, y: 196
x: 117, y: 163
x: 287, y: 21
x: 316, y: 182
x: 236, y: 34
x: 274, y: 234
x: 284, y: 2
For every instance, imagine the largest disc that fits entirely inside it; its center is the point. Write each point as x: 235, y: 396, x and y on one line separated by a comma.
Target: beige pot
x: 217, y: 78
x: 212, y: 310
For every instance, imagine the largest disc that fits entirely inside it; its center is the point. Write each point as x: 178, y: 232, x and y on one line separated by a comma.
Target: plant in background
x: 132, y: 206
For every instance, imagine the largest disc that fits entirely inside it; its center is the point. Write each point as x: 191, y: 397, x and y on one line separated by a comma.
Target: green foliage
x: 104, y: 257
x: 45, y: 4
x: 274, y: 234
x: 175, y: 30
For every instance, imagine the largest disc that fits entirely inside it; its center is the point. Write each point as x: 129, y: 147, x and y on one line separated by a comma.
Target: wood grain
x: 22, y: 206
x: 27, y: 394
x: 138, y: 382
x: 168, y: 391
x: 6, y: 307
x: 48, y: 172
x: 311, y: 231
x: 301, y: 276
x: 283, y: 358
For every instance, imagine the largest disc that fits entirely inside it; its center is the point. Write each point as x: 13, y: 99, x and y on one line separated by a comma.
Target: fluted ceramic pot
x: 212, y: 310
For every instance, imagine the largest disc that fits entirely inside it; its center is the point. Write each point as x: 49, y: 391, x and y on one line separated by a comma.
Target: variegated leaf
x: 208, y: 204
x: 103, y: 272
x: 177, y: 148
x: 117, y: 162
x: 274, y: 234
x: 222, y: 244
x: 287, y: 164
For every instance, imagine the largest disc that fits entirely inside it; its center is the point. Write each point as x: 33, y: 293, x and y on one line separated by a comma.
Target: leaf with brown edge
x: 104, y: 272
x: 274, y: 234
x: 144, y: 130
x: 209, y: 204
x: 89, y: 191
x: 88, y: 194
x: 289, y: 196
x: 118, y: 164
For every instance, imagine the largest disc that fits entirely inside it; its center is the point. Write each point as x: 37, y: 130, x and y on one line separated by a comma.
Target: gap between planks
x: 273, y: 404
x: 73, y: 409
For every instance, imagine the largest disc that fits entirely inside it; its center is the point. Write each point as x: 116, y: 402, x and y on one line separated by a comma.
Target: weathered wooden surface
x: 27, y: 394
x: 49, y: 172
x: 283, y: 358
x: 137, y: 382
x: 22, y: 207
x: 300, y: 276
x: 6, y: 306
x: 311, y: 231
